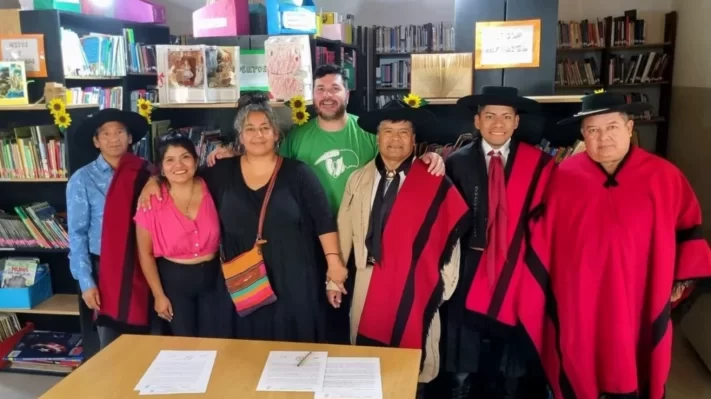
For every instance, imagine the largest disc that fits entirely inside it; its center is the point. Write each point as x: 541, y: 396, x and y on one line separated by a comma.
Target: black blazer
x: 466, y: 167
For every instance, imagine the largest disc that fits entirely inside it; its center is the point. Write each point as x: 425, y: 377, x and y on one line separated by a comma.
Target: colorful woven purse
x: 246, y: 275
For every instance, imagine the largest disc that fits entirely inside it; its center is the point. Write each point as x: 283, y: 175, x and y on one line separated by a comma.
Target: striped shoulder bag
x: 246, y: 275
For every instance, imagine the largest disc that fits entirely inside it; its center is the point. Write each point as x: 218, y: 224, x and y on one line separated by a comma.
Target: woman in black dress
x: 297, y: 214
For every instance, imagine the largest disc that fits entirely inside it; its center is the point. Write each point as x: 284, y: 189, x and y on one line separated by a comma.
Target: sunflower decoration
x: 145, y: 108
x: 297, y: 102
x: 414, y: 101
x: 599, y: 91
x: 57, y: 106
x: 58, y: 109
x: 299, y: 115
x: 62, y: 120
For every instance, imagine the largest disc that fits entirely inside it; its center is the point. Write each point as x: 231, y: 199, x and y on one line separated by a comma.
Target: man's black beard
x: 338, y: 115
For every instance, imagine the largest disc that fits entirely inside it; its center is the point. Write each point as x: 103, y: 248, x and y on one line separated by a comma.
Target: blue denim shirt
x: 86, y: 196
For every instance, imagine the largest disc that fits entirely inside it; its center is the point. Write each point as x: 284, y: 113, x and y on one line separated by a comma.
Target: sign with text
x: 28, y: 48
x: 253, y: 70
x: 507, y: 44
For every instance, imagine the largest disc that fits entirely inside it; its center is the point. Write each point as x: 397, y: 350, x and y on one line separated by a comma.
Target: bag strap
x: 263, y: 212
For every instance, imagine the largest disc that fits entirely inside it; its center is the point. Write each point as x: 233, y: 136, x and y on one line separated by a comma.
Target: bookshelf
x: 65, y: 311
x: 656, y: 91
x: 51, y: 22
x: 61, y: 311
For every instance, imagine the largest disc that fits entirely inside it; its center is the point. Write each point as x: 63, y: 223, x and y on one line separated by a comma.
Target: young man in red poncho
x: 101, y: 201
x: 403, y: 226
x: 617, y: 241
x: 501, y: 176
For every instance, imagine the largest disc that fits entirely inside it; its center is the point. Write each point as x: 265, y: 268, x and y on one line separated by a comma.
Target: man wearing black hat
x: 500, y: 174
x: 403, y: 225
x: 617, y: 245
x: 103, y: 244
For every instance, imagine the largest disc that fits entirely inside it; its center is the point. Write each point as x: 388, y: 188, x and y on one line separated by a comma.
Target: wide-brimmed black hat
x: 500, y: 95
x: 136, y: 124
x: 605, y: 103
x: 396, y: 110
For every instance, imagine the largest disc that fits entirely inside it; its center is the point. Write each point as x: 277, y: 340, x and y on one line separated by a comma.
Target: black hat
x: 397, y: 110
x: 136, y: 124
x: 605, y: 103
x: 499, y: 95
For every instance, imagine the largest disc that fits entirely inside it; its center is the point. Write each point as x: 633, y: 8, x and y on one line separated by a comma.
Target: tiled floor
x: 689, y: 379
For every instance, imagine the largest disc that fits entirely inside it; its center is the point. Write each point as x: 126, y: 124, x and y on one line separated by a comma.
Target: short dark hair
x: 173, y: 139
x: 329, y: 69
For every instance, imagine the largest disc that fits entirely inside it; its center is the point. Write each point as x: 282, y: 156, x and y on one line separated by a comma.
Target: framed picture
x: 507, y: 44
x: 28, y: 48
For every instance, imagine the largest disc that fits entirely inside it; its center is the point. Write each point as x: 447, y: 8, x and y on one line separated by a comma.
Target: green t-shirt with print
x: 333, y: 156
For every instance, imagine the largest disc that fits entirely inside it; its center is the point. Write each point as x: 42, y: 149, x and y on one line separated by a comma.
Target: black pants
x: 192, y: 291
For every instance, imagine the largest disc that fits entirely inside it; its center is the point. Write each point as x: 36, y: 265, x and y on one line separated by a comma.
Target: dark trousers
x: 107, y: 335
x: 192, y: 291
x: 505, y: 372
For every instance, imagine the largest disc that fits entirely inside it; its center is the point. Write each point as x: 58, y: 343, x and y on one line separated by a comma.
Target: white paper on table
x: 352, y: 378
x: 281, y: 372
x: 178, y: 372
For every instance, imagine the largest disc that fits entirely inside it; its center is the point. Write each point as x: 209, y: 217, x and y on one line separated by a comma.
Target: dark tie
x: 497, y: 226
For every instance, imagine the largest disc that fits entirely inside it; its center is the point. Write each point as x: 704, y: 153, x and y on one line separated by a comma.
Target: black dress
x: 298, y: 212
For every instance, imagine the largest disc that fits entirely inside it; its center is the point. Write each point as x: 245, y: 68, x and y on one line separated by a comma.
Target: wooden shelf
x: 638, y: 46
x: 409, y: 53
x: 579, y: 49
x: 43, y: 107
x: 94, y: 77
x: 59, y: 304
x: 661, y: 83
x: 273, y: 104
x: 61, y: 180
x: 35, y: 250
x: 569, y: 87
x: 541, y: 99
x: 392, y: 88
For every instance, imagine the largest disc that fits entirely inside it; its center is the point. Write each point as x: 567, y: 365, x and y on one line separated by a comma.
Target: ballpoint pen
x: 303, y: 359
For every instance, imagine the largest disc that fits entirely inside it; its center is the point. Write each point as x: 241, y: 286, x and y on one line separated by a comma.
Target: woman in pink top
x: 178, y: 242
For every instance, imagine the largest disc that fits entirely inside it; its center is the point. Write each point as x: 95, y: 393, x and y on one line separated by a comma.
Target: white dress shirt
x: 503, y: 150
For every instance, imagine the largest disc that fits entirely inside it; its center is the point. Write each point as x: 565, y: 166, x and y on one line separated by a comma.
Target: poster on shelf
x: 289, y: 66
x: 253, y: 70
x: 507, y: 44
x: 13, y: 83
x: 28, y: 48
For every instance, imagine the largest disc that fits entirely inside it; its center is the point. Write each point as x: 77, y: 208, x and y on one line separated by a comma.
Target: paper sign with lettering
x: 28, y: 48
x: 508, y: 44
x: 253, y: 71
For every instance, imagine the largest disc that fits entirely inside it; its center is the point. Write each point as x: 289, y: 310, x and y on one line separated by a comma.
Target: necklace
x: 186, y: 212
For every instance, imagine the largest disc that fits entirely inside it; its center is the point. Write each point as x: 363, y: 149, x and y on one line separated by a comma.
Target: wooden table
x: 115, y: 371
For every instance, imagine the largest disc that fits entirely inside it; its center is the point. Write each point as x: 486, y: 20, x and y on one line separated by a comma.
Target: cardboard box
x: 285, y: 17
x: 143, y: 11
x: 62, y: 5
x: 222, y: 18
x: 27, y: 298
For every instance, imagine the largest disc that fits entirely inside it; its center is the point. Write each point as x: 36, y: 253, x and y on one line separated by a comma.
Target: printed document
x: 352, y: 378
x: 293, y: 371
x: 176, y: 372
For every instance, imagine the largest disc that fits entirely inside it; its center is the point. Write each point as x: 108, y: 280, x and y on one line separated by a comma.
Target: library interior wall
x: 690, y: 129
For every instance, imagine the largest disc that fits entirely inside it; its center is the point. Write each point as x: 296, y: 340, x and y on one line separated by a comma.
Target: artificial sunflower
x: 599, y: 91
x: 413, y: 100
x: 148, y: 119
x: 57, y: 106
x: 297, y: 103
x: 300, y: 116
x: 62, y: 120
x: 145, y: 107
